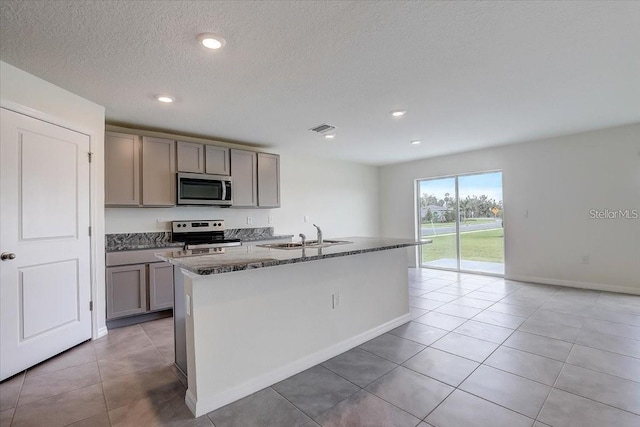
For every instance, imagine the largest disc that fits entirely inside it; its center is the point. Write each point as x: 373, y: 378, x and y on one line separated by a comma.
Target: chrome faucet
x: 304, y: 240
x: 319, y: 238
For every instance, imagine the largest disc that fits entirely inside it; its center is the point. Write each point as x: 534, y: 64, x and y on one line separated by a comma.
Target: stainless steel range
x: 198, y: 235
x: 200, y: 238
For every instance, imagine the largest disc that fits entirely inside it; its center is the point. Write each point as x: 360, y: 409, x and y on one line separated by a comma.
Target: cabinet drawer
x: 144, y: 256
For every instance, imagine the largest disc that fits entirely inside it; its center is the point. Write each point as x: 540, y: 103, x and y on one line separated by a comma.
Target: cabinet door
x: 268, y: 180
x: 122, y: 169
x: 244, y: 179
x: 190, y: 157
x: 160, y: 286
x: 217, y: 160
x: 158, y: 172
x: 126, y: 290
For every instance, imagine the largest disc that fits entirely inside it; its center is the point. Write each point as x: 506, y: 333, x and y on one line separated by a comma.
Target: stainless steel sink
x: 282, y: 245
x: 325, y: 243
x: 311, y: 244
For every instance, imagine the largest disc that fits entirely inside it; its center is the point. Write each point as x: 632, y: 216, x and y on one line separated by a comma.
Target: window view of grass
x: 470, y: 205
x: 486, y: 245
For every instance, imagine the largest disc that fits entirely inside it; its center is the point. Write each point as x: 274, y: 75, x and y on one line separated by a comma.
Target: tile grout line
x: 15, y: 408
x: 104, y: 395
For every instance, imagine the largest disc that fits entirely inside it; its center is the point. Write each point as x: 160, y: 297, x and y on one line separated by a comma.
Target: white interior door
x: 44, y: 240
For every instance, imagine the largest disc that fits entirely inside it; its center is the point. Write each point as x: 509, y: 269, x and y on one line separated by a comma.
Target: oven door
x: 201, y: 189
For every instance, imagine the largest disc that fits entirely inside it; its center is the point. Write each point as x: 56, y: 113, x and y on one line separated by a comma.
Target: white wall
x: 46, y: 101
x: 550, y: 186
x: 341, y: 197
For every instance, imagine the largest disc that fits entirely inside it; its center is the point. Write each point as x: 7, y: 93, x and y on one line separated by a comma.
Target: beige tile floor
x: 480, y: 351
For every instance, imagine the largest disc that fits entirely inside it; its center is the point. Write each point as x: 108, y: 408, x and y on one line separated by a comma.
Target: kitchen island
x: 255, y: 316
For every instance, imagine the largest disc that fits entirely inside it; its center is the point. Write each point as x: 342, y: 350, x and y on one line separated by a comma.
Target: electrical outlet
x: 249, y: 220
x: 306, y: 218
x: 335, y: 300
x: 270, y: 220
x: 160, y: 223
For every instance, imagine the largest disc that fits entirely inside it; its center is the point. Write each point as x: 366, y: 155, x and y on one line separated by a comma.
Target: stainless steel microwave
x: 203, y: 189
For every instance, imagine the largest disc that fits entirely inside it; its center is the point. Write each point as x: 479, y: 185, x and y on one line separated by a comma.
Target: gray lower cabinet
x: 137, y: 283
x: 160, y: 286
x: 126, y: 290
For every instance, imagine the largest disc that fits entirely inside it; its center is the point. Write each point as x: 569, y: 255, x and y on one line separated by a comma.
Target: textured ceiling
x: 470, y: 74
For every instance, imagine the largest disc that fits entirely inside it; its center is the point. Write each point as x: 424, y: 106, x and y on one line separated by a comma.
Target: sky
x: 468, y: 185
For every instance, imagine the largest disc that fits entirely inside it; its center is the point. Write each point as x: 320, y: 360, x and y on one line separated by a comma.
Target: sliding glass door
x: 462, y: 215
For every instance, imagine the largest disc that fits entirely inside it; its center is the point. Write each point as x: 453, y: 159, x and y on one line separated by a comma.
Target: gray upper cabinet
x: 122, y: 169
x: 244, y: 178
x: 141, y: 170
x: 268, y: 180
x: 217, y: 160
x: 190, y: 157
x: 158, y: 172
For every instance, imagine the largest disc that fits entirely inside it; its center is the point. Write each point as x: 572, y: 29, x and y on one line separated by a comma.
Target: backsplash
x: 249, y: 234
x: 130, y: 241
x: 125, y: 241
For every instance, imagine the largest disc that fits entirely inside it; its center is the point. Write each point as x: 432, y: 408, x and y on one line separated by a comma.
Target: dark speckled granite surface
x: 135, y: 241
x: 250, y: 257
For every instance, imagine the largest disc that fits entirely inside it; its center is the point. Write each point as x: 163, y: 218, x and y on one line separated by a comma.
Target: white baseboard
x: 576, y: 284
x: 204, y: 404
x: 190, y: 401
x: 101, y: 332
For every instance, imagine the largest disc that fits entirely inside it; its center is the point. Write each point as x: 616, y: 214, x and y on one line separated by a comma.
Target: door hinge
x: 89, y: 231
x: 90, y: 305
x: 90, y: 156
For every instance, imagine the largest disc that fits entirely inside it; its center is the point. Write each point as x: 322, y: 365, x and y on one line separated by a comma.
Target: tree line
x: 470, y: 207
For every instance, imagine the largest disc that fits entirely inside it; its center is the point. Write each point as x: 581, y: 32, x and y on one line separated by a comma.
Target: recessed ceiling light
x: 165, y: 98
x: 415, y: 142
x: 398, y: 113
x: 211, y: 41
x: 330, y: 136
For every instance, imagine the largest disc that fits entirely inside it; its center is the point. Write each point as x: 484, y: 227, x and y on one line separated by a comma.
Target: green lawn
x: 475, y: 246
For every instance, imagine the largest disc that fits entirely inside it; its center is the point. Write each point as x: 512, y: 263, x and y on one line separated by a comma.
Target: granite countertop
x: 250, y: 257
x: 158, y: 240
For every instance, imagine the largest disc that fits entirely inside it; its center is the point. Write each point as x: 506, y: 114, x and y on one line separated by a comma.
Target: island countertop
x: 250, y: 257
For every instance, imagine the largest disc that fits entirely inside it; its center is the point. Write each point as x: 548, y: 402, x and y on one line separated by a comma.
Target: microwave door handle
x: 224, y: 191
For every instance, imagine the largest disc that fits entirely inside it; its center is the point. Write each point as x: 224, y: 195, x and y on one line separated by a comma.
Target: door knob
x: 7, y: 256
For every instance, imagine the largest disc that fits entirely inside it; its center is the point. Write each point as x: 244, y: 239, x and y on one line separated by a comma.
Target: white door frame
x: 93, y: 191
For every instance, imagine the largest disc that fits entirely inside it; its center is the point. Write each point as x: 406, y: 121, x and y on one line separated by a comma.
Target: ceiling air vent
x: 323, y: 128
